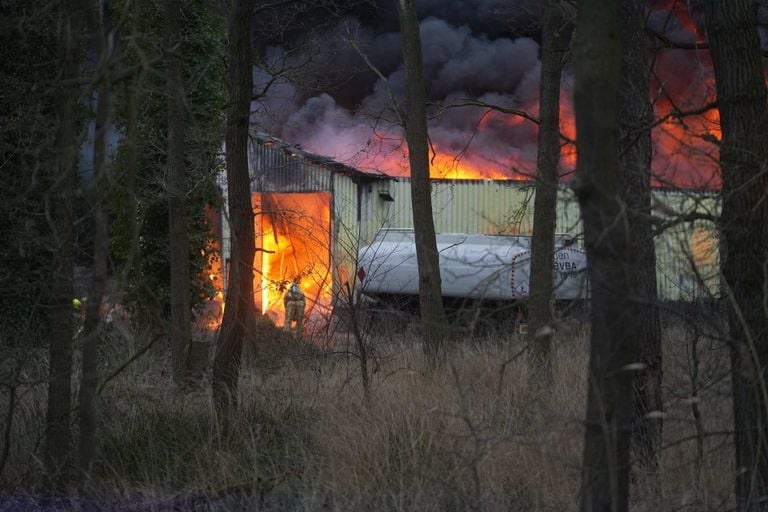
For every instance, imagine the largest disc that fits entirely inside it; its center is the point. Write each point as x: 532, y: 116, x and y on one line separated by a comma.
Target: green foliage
x: 29, y: 66
x: 29, y: 69
x: 202, y: 53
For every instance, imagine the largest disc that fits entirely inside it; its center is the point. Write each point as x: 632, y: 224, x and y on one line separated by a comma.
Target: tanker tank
x: 484, y: 267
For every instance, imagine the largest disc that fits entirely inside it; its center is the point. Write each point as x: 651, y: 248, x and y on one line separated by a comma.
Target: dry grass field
x: 477, y: 434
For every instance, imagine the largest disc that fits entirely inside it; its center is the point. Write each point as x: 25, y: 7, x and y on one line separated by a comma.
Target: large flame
x: 294, y: 233
x: 568, y: 130
x: 447, y: 163
x: 686, y: 151
x: 685, y: 145
x: 686, y: 135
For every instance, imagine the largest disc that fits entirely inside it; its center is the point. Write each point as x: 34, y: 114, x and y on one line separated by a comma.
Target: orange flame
x: 445, y: 166
x: 452, y: 165
x: 567, y: 128
x: 212, y: 312
x: 686, y: 151
x: 294, y: 233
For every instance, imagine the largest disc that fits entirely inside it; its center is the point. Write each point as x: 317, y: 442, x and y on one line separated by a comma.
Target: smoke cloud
x: 355, y: 121
x: 333, y: 103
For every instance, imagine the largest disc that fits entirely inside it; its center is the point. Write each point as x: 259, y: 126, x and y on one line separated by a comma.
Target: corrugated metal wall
x: 376, y: 211
x: 687, y: 254
x: 273, y: 169
x: 345, y: 230
x: 482, y: 206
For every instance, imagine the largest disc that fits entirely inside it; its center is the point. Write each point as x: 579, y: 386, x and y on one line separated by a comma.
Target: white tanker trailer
x: 494, y: 268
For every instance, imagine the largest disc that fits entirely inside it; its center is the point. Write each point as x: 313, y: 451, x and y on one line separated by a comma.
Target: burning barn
x: 312, y: 214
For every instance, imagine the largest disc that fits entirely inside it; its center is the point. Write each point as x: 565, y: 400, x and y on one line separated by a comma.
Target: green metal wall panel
x: 378, y: 212
x: 481, y: 206
x: 687, y: 256
x: 345, y: 231
x: 686, y: 253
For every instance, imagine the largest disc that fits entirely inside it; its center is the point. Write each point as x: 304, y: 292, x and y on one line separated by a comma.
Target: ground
x: 478, y: 433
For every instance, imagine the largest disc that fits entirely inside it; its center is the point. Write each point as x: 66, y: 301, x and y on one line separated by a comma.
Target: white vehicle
x: 493, y: 268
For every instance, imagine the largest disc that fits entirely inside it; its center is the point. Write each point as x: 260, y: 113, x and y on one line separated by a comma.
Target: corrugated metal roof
x: 278, y: 163
x: 273, y: 170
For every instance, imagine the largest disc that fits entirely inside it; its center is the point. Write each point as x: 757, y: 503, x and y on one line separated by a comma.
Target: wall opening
x: 294, y: 231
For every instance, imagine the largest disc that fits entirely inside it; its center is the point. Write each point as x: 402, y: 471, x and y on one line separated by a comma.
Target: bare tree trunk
x: 238, y: 318
x: 545, y: 203
x: 132, y: 268
x: 58, y: 438
x: 132, y: 262
x: 635, y: 167
x: 177, y: 209
x: 598, y: 58
x: 430, y: 294
x: 741, y: 99
x: 92, y: 329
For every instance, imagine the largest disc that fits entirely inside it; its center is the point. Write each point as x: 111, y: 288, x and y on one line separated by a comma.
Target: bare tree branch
x: 372, y: 66
x: 666, y: 42
x: 661, y: 225
x: 470, y: 102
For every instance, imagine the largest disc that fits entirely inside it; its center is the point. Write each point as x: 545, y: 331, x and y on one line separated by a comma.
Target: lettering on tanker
x: 565, y: 266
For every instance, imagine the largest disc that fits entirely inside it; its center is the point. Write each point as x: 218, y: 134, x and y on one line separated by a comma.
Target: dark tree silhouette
x: 178, y: 239
x: 635, y: 170
x: 87, y: 407
x: 239, y: 314
x: 547, y: 178
x: 61, y: 205
x: 430, y: 294
x: 598, y: 61
x: 741, y: 99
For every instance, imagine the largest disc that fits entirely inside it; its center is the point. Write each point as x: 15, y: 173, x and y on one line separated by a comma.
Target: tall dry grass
x: 479, y: 433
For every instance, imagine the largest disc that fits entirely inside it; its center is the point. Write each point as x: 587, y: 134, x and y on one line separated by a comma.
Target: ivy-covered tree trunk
x: 430, y: 295
x: 635, y: 167
x: 177, y: 187
x: 545, y: 203
x: 60, y: 205
x: 741, y: 100
x: 140, y: 192
x: 598, y: 62
x: 238, y: 318
x: 87, y: 407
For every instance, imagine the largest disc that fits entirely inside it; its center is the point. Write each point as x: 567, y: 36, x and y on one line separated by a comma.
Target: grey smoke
x: 359, y: 126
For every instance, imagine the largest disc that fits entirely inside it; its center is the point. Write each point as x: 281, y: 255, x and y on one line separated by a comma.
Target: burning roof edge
x: 332, y: 165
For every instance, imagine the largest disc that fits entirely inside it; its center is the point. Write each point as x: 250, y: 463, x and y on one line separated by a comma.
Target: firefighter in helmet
x: 294, y: 302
